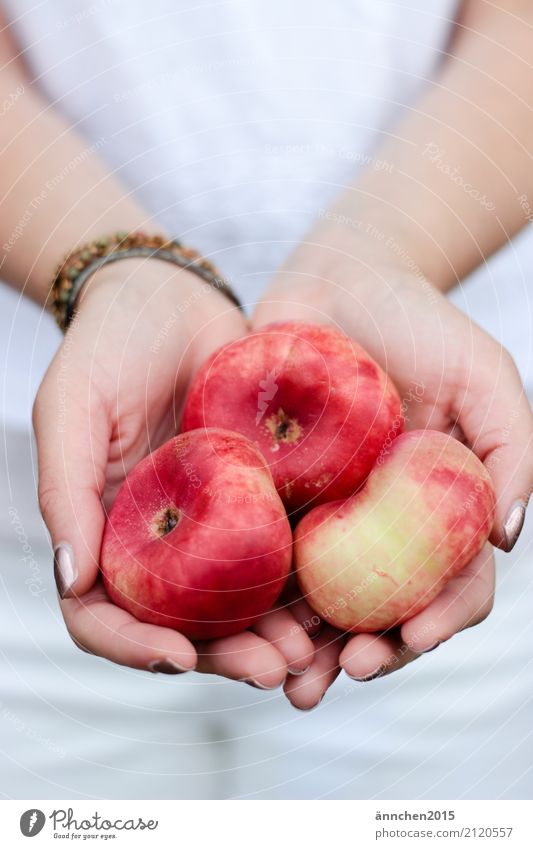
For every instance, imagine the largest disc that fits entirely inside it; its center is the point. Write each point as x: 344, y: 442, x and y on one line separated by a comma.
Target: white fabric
x: 236, y: 122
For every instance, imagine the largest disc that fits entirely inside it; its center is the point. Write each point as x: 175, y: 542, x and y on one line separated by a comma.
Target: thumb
x: 72, y: 441
x: 497, y: 420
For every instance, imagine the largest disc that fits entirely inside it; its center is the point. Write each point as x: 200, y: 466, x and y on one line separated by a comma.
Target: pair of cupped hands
x: 114, y: 393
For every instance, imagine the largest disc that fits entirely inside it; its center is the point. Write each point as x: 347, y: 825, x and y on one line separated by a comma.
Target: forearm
x: 56, y: 192
x: 450, y: 184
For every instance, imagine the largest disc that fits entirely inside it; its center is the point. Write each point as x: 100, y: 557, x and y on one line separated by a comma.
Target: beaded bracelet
x: 81, y: 263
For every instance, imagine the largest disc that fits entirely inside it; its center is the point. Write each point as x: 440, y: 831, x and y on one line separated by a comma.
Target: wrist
x: 154, y: 283
x: 327, y: 275
x: 357, y: 249
x: 172, y: 309
x: 86, y: 260
x: 374, y: 235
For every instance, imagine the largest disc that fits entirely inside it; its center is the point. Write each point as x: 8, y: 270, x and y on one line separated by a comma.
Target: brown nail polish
x: 167, y: 666
x: 65, y: 572
x: 514, y: 524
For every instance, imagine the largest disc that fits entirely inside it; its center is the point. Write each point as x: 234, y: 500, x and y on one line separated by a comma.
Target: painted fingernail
x: 514, y: 524
x: 167, y: 666
x: 377, y: 673
x: 65, y: 572
x: 299, y: 671
x: 253, y: 683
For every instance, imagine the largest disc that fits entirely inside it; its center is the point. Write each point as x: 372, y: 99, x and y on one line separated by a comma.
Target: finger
x: 369, y: 656
x: 101, y: 628
x: 465, y: 601
x: 72, y: 435
x: 280, y: 628
x: 496, y: 418
x: 244, y: 657
x: 305, y: 692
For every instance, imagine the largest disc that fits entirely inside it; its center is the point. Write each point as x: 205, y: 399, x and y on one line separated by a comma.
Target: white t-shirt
x: 236, y: 123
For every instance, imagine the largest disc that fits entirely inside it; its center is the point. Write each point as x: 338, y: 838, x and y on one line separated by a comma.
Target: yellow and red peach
x: 371, y: 562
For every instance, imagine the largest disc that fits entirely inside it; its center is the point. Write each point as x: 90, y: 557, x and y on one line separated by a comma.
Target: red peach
x: 198, y: 538
x: 310, y: 398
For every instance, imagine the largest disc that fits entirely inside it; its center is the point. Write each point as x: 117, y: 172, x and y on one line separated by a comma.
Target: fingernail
x: 166, y: 665
x: 513, y: 524
x: 377, y: 673
x: 253, y: 683
x: 299, y: 671
x: 432, y: 647
x: 65, y: 572
x: 304, y: 710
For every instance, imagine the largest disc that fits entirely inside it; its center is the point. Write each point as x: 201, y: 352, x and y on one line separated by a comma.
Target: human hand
x: 112, y: 394
x: 452, y: 377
